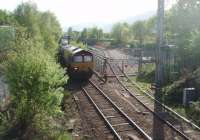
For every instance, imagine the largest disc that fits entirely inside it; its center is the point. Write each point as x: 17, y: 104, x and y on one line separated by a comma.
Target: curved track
x: 177, y: 126
x: 186, y: 130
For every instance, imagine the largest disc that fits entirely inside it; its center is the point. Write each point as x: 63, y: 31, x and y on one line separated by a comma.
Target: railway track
x: 177, y: 126
x: 92, y: 127
x: 118, y: 122
x: 183, y: 128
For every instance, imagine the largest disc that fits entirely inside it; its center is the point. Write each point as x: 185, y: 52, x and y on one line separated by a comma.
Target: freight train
x: 79, y: 62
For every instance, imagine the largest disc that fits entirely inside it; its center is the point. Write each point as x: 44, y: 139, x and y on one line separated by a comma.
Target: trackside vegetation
x: 35, y: 83
x: 35, y: 80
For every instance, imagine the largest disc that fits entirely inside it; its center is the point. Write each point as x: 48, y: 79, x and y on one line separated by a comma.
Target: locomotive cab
x: 79, y: 62
x: 81, y: 65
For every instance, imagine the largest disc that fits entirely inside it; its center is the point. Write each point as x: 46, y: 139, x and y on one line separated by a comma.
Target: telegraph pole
x: 160, y: 44
x: 158, y: 125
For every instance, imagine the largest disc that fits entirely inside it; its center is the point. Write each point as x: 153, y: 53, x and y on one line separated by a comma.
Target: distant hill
x: 143, y: 16
x: 108, y: 26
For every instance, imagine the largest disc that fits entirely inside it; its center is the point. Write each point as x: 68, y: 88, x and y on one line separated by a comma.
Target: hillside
x: 107, y: 26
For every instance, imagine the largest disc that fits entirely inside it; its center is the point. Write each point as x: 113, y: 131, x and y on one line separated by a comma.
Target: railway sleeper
x: 108, y: 109
x: 121, y: 128
x: 120, y: 124
x: 117, y: 120
x: 142, y: 97
x: 103, y: 105
x: 147, y: 103
x: 125, y: 129
x: 188, y: 131
x: 139, y: 95
x: 120, y: 106
x: 144, y: 112
x: 108, y: 117
x: 183, y: 128
x: 112, y: 114
x: 99, y: 99
x: 132, y: 137
x: 106, y: 132
x: 126, y: 95
x: 90, y: 88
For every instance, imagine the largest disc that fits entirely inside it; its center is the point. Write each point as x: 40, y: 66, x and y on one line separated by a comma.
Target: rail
x: 158, y: 116
x: 102, y: 115
x: 164, y: 106
x: 146, y: 136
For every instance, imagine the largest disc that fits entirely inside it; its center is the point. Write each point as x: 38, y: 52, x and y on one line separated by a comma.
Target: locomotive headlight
x: 75, y: 68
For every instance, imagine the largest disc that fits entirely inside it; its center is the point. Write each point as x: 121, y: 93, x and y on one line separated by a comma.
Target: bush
x: 6, y: 36
x: 35, y: 83
x: 147, y: 73
x: 195, y: 112
x: 174, y: 92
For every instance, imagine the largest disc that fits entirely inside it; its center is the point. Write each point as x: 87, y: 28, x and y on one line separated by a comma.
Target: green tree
x: 70, y: 31
x: 6, y: 18
x: 27, y: 15
x: 35, y: 80
x: 121, y: 33
x: 50, y: 30
x: 139, y: 32
x: 35, y: 83
x: 99, y: 34
x: 183, y: 27
x: 93, y: 32
x: 7, y: 34
x: 42, y: 27
x: 150, y: 29
x: 84, y: 35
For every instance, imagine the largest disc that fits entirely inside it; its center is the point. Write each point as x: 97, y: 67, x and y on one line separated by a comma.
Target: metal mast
x: 160, y: 44
x: 158, y: 126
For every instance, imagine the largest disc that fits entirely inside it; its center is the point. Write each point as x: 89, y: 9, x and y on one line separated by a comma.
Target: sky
x: 76, y: 12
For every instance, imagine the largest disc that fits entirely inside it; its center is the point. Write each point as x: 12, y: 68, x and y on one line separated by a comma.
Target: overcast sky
x: 73, y: 12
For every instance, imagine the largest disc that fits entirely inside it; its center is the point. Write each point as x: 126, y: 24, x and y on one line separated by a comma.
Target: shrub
x: 35, y: 83
x: 194, y: 112
x: 174, y: 92
x: 147, y: 73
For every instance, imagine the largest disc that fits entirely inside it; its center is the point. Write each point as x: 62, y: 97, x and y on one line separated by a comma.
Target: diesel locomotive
x: 79, y: 62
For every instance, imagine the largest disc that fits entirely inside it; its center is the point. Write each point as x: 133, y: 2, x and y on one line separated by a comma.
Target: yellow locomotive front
x: 81, y: 65
x: 79, y: 62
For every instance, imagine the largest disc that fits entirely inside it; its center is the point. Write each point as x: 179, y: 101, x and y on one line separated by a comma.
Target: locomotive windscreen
x: 87, y: 58
x: 78, y: 59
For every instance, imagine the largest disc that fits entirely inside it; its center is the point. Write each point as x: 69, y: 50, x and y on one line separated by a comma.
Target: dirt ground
x: 72, y: 116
